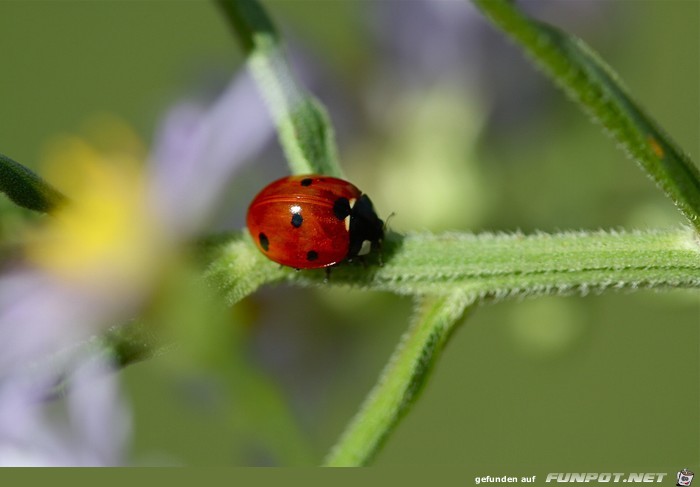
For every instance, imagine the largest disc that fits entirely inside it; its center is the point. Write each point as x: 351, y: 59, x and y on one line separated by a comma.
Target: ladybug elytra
x: 313, y: 221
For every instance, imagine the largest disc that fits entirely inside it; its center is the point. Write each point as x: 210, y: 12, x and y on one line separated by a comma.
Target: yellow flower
x: 106, y: 237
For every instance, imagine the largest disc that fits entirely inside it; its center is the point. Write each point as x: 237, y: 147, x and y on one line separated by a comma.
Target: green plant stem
x: 237, y: 268
x: 302, y: 123
x: 590, y: 82
x: 401, y: 381
x: 486, y: 266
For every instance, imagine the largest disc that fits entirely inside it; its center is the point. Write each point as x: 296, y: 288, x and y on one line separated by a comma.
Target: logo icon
x: 684, y: 477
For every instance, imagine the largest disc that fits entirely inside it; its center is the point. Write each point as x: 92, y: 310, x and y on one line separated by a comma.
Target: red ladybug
x: 313, y: 221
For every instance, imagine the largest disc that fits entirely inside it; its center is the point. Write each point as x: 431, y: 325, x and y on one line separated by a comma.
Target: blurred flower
x: 107, y: 235
x: 424, y: 99
x: 198, y: 149
x: 96, y: 429
x: 42, y: 323
x: 97, y: 263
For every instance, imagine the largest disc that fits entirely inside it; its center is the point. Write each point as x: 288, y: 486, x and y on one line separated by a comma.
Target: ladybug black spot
x: 297, y: 220
x: 341, y: 208
x: 264, y: 242
x: 311, y: 255
x: 306, y: 182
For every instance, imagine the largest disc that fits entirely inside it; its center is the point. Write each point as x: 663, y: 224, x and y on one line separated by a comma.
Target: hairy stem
x: 590, y: 82
x: 487, y: 266
x: 303, y: 125
x: 401, y: 381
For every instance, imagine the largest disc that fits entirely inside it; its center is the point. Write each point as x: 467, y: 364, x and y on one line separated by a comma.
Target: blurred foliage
x: 601, y: 382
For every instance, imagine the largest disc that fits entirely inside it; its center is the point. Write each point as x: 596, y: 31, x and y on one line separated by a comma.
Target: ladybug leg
x: 328, y: 274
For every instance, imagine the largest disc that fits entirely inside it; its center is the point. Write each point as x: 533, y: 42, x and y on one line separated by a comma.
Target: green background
x: 594, y: 383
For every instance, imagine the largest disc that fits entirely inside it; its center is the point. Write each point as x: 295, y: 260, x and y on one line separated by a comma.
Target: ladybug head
x: 366, y: 228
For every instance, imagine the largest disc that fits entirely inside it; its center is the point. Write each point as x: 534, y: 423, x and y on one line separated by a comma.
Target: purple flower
x: 94, y: 433
x: 97, y: 263
x: 198, y: 150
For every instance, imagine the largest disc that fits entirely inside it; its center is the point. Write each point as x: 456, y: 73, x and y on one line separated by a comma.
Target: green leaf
x: 488, y: 266
x: 302, y: 123
x: 402, y: 379
x: 590, y: 82
x: 26, y: 189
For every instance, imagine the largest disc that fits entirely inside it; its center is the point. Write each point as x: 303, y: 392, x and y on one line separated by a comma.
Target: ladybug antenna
x: 386, y: 222
x: 385, y: 226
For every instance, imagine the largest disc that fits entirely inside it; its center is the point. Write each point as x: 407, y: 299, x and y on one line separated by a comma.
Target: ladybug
x: 313, y: 221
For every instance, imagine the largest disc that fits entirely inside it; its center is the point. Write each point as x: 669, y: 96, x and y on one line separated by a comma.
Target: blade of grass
x: 401, y: 381
x: 575, y: 68
x: 26, y: 189
x: 303, y: 125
